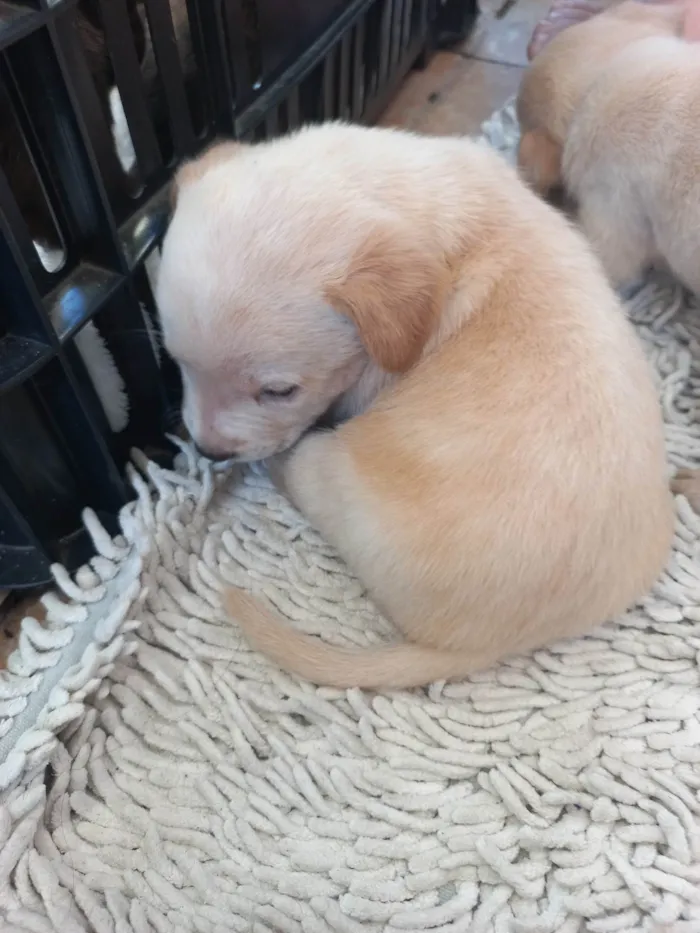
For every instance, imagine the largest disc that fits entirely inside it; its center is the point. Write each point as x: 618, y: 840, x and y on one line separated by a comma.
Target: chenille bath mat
x: 158, y: 777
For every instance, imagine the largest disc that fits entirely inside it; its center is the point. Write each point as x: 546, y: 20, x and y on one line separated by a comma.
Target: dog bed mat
x: 156, y: 776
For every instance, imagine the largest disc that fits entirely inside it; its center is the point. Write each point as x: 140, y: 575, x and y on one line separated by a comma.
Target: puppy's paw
x: 687, y: 483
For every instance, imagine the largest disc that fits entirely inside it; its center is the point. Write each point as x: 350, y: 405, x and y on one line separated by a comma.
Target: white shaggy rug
x: 158, y: 777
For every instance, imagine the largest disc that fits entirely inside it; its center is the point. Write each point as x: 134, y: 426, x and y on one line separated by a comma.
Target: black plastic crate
x: 78, y: 337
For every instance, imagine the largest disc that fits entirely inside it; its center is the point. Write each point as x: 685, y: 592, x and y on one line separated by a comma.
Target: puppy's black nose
x: 212, y: 455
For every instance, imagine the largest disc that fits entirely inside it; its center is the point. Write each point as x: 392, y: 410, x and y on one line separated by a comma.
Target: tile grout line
x: 470, y: 57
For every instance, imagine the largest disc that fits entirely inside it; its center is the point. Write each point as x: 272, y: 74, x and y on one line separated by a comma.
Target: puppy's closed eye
x: 277, y: 393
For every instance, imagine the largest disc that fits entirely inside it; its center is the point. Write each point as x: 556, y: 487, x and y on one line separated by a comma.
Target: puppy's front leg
x: 276, y: 465
x: 325, y: 483
x: 283, y: 465
x: 308, y: 474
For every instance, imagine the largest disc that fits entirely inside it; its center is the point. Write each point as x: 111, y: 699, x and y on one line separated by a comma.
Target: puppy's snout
x: 214, y: 455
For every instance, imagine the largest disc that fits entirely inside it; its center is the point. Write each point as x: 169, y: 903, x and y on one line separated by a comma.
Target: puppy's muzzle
x: 213, y: 455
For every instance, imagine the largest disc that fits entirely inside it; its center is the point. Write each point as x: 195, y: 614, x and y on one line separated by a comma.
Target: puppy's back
x: 524, y: 458
x: 649, y: 96
x: 556, y: 81
x: 636, y: 136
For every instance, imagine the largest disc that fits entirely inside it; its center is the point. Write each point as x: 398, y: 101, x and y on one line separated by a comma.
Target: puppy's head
x: 282, y: 281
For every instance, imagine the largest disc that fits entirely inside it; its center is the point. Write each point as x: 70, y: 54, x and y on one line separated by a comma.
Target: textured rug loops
x: 156, y: 776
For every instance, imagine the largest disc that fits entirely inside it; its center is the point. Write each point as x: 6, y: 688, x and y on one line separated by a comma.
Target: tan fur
x: 619, y: 95
x: 507, y: 488
x: 555, y: 83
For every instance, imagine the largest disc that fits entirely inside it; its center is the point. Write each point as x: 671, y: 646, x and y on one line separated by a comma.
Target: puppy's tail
x: 396, y: 666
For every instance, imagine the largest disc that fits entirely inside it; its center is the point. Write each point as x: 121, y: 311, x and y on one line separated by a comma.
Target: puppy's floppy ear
x: 195, y: 169
x: 539, y: 161
x: 393, y: 294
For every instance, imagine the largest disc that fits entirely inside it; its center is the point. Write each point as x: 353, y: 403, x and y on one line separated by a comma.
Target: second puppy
x: 610, y: 110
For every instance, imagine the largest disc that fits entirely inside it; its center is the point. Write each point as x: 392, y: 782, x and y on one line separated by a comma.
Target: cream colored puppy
x: 503, y: 481
x: 611, y: 110
x: 556, y: 82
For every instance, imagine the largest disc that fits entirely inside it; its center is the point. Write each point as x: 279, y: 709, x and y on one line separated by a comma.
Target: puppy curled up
x: 498, y: 479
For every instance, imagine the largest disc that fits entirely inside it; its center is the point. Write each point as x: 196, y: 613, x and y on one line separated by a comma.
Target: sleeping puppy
x: 611, y: 110
x: 501, y: 480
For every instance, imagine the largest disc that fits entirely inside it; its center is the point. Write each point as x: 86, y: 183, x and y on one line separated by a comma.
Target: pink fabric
x: 565, y: 13
x: 691, y: 26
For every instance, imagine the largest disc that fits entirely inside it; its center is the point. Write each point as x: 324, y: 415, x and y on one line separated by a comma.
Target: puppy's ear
x: 195, y: 169
x: 393, y: 294
x: 539, y: 161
